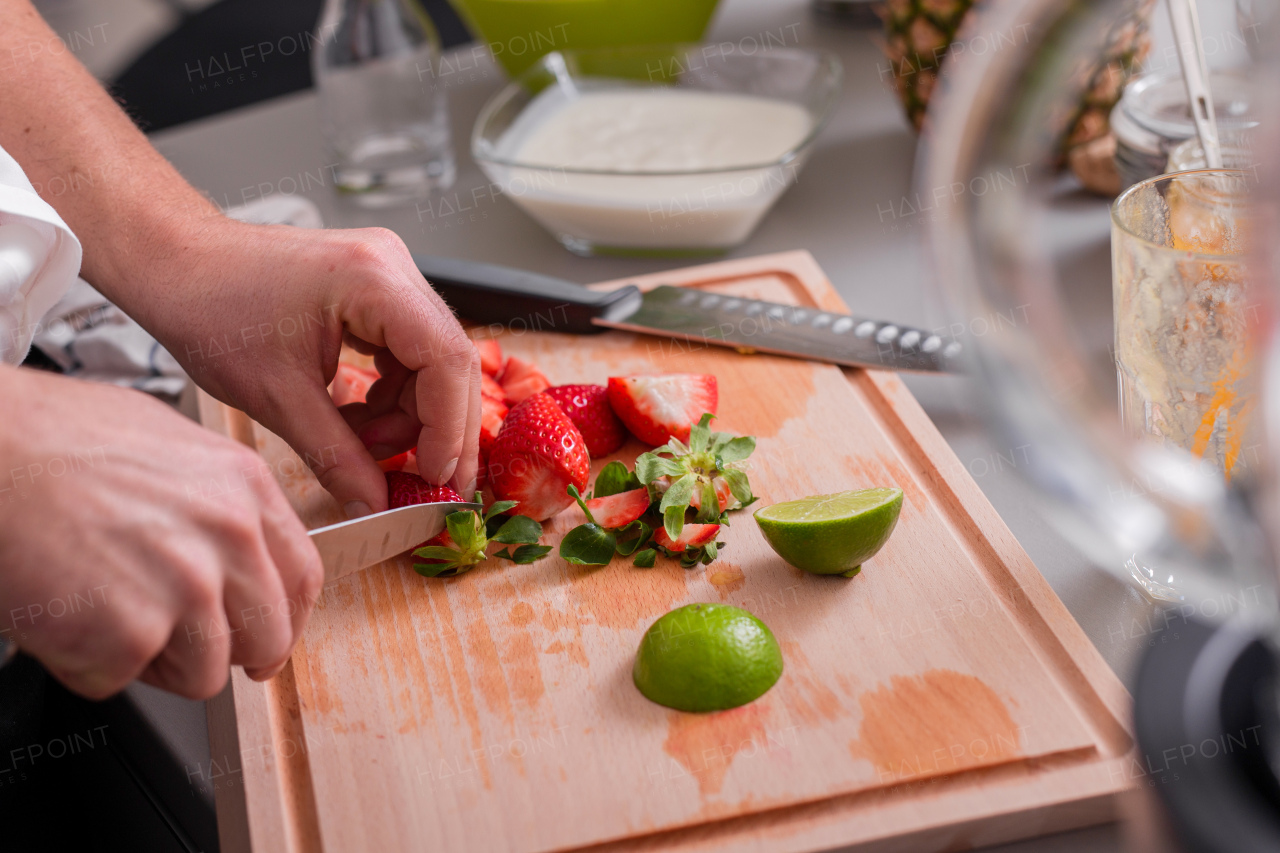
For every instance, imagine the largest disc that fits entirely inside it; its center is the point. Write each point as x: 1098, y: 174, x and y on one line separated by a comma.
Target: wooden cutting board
x: 942, y: 699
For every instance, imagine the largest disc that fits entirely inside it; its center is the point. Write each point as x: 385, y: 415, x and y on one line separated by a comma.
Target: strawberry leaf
x: 436, y: 570
x: 700, y: 433
x: 680, y: 493
x: 645, y: 559
x: 736, y: 449
x: 525, y: 554
x: 499, y: 507
x: 464, y: 529
x: 436, y: 552
x: 518, y: 530
x: 588, y: 545
x: 650, y: 466
x: 613, y: 479
x: 709, y: 512
x: 626, y: 546
x: 673, y: 520
x: 738, y: 485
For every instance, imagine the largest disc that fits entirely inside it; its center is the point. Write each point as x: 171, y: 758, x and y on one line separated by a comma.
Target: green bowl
x: 520, y: 32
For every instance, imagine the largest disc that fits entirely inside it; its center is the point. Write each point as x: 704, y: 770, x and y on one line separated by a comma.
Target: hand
x: 137, y: 544
x: 257, y: 315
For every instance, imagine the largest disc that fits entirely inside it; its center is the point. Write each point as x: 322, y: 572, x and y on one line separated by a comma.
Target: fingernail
x: 446, y: 473
x: 356, y: 509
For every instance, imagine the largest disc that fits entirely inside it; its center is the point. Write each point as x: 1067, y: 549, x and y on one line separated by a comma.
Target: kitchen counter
x: 846, y: 209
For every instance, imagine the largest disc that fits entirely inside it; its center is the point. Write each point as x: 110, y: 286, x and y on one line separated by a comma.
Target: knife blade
x: 350, y: 546
x: 524, y: 301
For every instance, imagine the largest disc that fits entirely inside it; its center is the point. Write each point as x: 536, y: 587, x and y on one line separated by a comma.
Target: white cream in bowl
x: 652, y: 167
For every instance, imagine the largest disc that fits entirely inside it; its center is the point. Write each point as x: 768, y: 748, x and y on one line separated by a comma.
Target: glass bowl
x: 666, y: 210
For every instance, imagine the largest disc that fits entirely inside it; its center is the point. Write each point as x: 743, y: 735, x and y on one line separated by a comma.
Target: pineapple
x: 919, y: 34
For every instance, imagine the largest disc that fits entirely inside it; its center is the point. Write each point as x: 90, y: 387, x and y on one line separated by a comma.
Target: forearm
x: 127, y: 204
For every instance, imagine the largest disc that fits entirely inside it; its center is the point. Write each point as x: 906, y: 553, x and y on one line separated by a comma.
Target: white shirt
x: 39, y: 260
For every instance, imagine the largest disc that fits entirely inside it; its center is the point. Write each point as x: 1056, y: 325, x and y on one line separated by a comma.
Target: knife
x: 350, y: 546
x: 522, y: 300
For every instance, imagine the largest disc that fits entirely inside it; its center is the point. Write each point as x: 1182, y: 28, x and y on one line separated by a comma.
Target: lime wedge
x: 707, y: 657
x: 831, y: 534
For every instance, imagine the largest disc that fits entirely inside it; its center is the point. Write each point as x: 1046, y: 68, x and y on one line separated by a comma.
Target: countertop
x: 845, y: 208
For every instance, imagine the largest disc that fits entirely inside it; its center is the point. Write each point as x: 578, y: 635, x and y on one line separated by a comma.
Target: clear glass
x: 654, y: 213
x: 1181, y: 308
x: 385, y: 122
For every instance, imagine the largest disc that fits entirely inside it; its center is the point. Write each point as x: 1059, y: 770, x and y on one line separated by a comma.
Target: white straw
x: 1195, y: 73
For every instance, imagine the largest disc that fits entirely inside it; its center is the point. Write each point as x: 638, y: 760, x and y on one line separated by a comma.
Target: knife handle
x: 488, y: 293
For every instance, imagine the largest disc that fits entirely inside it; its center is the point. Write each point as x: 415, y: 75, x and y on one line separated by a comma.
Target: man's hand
x: 137, y: 544
x: 225, y: 298
x: 257, y: 315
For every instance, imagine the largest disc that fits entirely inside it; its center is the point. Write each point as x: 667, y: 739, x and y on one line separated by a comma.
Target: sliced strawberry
x: 692, y: 536
x: 521, y: 380
x: 350, y: 384
x: 658, y: 408
x: 619, y: 510
x: 492, y: 413
x: 490, y: 388
x: 394, y: 463
x: 588, y: 407
x: 490, y: 356
x: 538, y: 454
x: 723, y: 494
x: 404, y: 489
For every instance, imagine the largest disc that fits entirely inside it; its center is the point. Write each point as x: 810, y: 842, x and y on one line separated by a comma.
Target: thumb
x: 316, y: 431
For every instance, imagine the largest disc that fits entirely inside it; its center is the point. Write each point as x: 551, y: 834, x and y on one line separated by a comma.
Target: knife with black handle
x: 521, y: 300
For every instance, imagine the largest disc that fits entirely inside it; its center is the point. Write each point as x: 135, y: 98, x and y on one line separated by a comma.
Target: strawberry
x: 692, y: 536
x: 404, y: 489
x: 492, y: 414
x: 521, y: 380
x: 537, y: 455
x: 619, y: 510
x: 489, y: 387
x: 395, y: 463
x: 350, y: 384
x: 490, y: 356
x: 659, y: 408
x: 588, y: 407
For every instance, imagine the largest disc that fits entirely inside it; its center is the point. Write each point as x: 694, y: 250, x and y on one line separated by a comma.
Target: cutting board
x: 942, y: 699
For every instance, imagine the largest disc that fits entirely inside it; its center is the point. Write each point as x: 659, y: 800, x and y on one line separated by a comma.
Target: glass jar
x: 1153, y: 117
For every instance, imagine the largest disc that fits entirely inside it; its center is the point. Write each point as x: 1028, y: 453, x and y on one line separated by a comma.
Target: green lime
x: 707, y: 657
x: 831, y: 534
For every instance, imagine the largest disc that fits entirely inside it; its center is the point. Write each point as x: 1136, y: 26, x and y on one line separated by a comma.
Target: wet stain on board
x: 934, y: 723
x: 705, y: 745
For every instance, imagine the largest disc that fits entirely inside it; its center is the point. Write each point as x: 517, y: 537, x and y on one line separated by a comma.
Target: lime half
x: 707, y: 657
x: 831, y: 534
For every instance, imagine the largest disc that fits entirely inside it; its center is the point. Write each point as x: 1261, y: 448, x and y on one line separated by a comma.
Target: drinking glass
x: 1182, y: 319
x: 385, y: 121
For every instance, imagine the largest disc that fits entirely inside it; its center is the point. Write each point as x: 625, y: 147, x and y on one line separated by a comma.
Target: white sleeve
x: 39, y: 259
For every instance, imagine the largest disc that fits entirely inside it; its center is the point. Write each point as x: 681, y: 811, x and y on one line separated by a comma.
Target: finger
x: 362, y: 347
x: 316, y: 431
x: 403, y: 314
x: 464, y: 479
x: 98, y: 652
x: 254, y: 604
x: 301, y: 575
x: 197, y: 658
x: 390, y: 434
x: 386, y: 392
